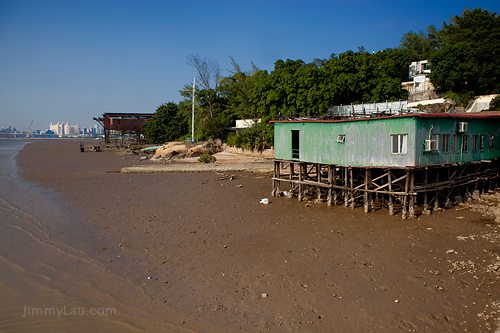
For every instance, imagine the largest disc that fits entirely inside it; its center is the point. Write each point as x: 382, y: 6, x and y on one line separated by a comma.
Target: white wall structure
x: 419, y: 67
x: 480, y: 103
x: 245, y: 123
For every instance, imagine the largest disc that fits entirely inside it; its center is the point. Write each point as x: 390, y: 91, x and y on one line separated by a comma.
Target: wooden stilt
x: 318, y: 188
x: 412, y: 197
x: 436, y: 197
x: 447, y: 203
x: 330, y: 181
x: 370, y: 194
x: 366, y: 203
x: 426, y: 210
x: 273, y: 191
x: 334, y: 177
x: 346, y: 184
x: 278, y: 175
x: 360, y: 183
x: 405, y: 197
x: 301, y: 186
x: 391, y: 204
x: 351, y: 186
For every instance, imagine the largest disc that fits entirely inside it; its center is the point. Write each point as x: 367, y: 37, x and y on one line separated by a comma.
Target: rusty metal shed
x: 123, y: 128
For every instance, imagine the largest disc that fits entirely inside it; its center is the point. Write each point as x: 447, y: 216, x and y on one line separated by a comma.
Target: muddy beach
x: 205, y: 247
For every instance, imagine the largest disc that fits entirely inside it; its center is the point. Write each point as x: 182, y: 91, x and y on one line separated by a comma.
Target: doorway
x: 295, y: 144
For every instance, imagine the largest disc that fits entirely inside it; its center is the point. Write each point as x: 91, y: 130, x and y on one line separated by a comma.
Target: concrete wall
x: 266, y: 153
x: 481, y: 103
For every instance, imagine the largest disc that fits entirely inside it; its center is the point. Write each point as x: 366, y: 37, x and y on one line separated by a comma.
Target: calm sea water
x: 47, y: 282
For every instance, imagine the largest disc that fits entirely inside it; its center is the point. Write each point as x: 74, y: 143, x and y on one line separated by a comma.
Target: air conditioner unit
x: 341, y: 138
x: 463, y: 127
x: 430, y: 145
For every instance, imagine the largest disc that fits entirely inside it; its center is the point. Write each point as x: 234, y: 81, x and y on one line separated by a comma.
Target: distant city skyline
x: 74, y: 60
x: 60, y: 129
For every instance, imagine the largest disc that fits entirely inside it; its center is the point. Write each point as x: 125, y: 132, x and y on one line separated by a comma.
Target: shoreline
x: 219, y: 256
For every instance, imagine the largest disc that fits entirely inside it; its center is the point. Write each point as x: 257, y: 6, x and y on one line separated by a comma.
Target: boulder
x: 169, y: 150
x: 207, y: 147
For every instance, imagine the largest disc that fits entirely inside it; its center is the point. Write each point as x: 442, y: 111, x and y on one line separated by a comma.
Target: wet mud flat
x: 206, y: 247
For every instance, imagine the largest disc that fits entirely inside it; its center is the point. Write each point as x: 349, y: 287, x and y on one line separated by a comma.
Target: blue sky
x: 72, y: 60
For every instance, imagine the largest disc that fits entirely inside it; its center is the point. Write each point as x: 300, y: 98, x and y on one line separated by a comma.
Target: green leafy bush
x: 495, y: 104
x: 257, y: 136
x: 207, y: 158
x: 462, y: 99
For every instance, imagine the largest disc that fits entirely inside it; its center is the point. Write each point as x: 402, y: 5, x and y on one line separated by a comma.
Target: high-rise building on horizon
x: 61, y: 129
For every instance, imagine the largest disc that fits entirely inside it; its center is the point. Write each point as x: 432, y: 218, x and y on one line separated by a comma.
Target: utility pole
x: 192, y: 114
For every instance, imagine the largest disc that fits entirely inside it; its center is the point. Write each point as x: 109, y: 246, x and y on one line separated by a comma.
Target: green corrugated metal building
x: 412, y: 140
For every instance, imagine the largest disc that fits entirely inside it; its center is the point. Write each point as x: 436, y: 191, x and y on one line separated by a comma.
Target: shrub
x: 495, y: 104
x: 257, y: 136
x: 207, y: 158
x: 462, y: 99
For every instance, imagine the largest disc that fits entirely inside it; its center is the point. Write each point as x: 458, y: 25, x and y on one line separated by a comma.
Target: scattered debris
x: 225, y: 177
x: 264, y: 201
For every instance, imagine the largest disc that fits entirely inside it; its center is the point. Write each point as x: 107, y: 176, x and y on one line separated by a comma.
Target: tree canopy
x: 475, y: 34
x: 166, y: 125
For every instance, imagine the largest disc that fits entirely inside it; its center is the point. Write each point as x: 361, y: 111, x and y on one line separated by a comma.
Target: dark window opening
x: 474, y: 143
x: 446, y: 139
x: 295, y: 144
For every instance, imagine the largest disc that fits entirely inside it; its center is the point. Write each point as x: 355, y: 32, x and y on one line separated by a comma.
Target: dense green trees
x: 454, y: 68
x: 464, y: 56
x: 419, y: 45
x: 479, y: 30
x: 296, y: 87
x: 474, y: 37
x: 166, y: 125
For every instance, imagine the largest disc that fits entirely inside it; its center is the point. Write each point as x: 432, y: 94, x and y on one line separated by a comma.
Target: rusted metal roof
x: 124, y: 121
x: 128, y: 115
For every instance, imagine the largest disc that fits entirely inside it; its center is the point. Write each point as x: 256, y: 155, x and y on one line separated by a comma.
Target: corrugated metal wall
x: 440, y: 126
x: 368, y: 142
